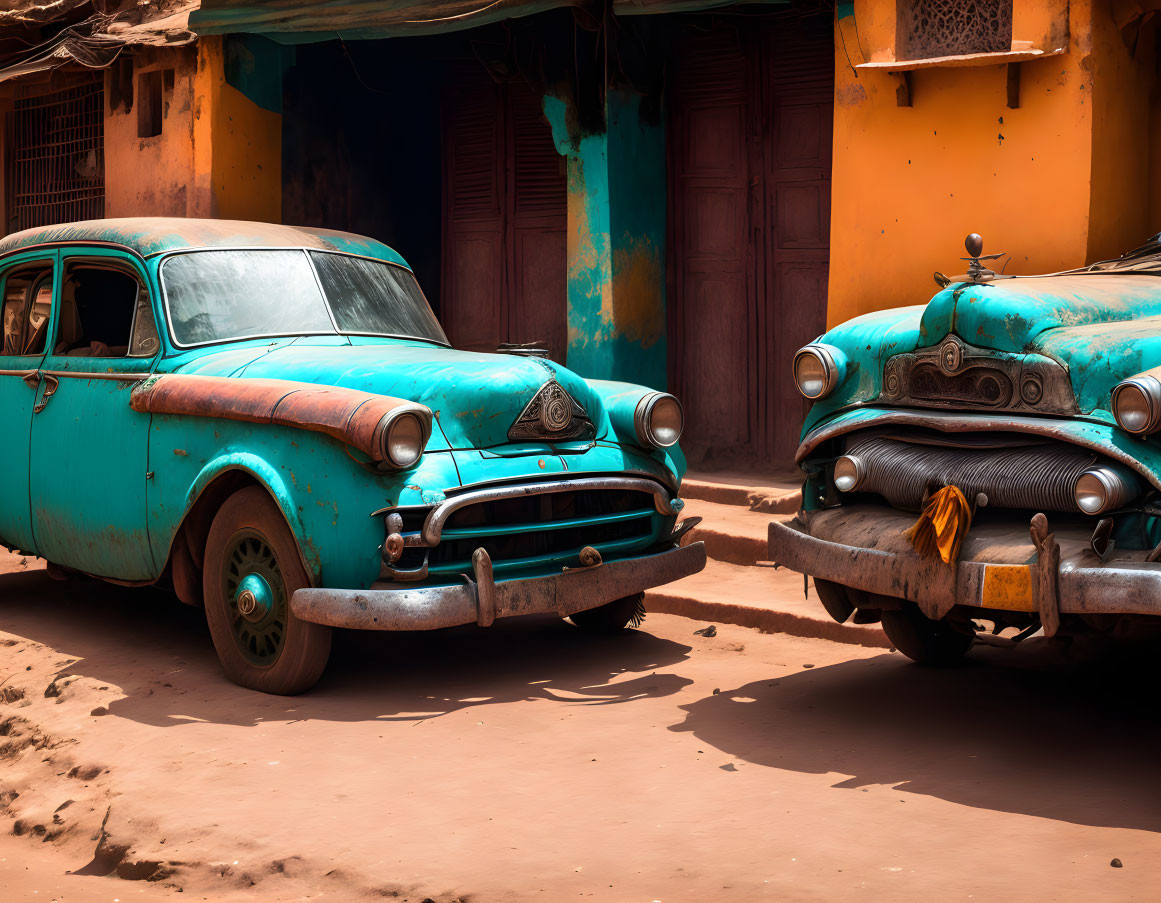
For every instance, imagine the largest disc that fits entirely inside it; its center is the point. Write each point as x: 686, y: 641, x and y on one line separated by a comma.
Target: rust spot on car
x: 181, y: 452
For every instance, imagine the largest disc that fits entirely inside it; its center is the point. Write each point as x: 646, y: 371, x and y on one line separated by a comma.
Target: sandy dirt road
x: 528, y: 762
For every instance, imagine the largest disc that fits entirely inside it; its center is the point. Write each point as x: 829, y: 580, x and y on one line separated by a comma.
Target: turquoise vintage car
x: 1039, y: 398
x: 270, y: 420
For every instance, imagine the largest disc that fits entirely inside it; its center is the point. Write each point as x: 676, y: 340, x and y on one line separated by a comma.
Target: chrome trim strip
x: 432, y: 531
x: 20, y: 373
x: 957, y: 423
x: 82, y: 374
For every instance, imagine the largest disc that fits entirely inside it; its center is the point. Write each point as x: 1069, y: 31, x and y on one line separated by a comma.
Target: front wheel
x: 613, y: 617
x: 923, y: 640
x: 252, y: 568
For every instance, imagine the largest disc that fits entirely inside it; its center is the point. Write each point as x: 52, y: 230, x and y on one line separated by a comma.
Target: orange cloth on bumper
x: 942, y: 526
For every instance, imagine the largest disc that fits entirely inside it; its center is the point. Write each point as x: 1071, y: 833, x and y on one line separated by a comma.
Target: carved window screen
x: 926, y: 29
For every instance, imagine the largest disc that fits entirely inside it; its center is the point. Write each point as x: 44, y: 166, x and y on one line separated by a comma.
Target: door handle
x: 32, y: 379
x: 50, y: 386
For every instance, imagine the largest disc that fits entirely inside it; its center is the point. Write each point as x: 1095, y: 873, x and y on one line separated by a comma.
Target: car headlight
x: 1103, y: 488
x: 848, y: 473
x: 818, y: 369
x: 1137, y: 405
x: 658, y: 420
x: 403, y: 435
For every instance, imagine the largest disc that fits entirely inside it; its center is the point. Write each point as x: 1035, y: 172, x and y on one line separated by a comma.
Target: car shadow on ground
x: 1025, y: 730
x: 159, y: 653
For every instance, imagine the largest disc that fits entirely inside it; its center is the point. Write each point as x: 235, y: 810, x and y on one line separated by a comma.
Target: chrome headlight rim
x: 1103, y: 488
x: 389, y: 443
x: 643, y: 420
x: 1150, y: 390
x: 826, y: 358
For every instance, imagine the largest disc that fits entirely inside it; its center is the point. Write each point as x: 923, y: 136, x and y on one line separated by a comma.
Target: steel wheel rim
x: 250, y: 562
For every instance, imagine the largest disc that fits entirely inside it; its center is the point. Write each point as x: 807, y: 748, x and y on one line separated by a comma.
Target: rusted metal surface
x: 1046, y: 573
x: 354, y: 417
x: 863, y: 547
x: 955, y: 374
x: 384, y: 607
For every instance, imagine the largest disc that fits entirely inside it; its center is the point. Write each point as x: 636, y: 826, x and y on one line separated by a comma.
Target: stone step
x: 760, y: 597
x: 730, y: 533
x: 777, y: 494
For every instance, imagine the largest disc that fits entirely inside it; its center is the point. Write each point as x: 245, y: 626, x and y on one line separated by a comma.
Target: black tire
x: 267, y: 649
x: 924, y: 641
x: 613, y: 617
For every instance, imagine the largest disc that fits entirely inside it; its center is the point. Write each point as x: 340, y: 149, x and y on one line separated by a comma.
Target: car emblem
x: 552, y: 414
x: 950, y: 357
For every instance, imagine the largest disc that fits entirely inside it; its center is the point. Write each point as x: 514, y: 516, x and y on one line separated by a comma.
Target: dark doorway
x: 361, y: 145
x: 750, y: 162
x: 505, y: 216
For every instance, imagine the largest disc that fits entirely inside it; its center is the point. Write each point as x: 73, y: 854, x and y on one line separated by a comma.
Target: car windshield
x: 216, y: 296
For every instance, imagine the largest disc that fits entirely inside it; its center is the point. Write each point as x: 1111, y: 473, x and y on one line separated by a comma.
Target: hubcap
x: 257, y: 597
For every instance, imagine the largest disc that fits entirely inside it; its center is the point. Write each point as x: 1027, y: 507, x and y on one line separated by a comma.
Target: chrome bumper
x: 1048, y: 578
x: 480, y: 599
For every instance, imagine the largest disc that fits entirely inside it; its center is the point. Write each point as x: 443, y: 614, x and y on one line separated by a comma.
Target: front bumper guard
x: 480, y: 599
x: 1048, y: 584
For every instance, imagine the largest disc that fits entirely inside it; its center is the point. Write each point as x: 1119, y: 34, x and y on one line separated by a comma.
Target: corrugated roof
x: 295, y: 21
x: 149, y: 235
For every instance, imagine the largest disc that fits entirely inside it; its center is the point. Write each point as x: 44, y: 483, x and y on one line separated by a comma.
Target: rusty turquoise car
x: 270, y: 421
x: 1018, y: 420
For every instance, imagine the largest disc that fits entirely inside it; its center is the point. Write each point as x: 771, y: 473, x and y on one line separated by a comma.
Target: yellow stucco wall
x: 218, y: 155
x: 1067, y: 182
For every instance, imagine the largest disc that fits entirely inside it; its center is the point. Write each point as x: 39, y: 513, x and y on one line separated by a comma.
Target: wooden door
x: 505, y: 218
x: 799, y: 71
x: 750, y: 151
x: 714, y: 318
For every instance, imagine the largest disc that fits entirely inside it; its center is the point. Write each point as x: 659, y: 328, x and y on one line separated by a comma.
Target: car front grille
x: 539, y: 530
x: 1035, y: 476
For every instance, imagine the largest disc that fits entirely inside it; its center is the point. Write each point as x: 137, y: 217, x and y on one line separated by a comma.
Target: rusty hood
x: 476, y: 398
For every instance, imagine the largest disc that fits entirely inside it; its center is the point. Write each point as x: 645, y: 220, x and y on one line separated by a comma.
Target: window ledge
x: 962, y: 60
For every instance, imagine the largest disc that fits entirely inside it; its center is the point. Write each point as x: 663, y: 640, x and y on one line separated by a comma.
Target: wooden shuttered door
x: 505, y: 218
x: 750, y: 148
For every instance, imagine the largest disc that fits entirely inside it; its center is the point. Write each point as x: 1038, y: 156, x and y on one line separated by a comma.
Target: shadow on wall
x: 1012, y: 730
x: 159, y: 653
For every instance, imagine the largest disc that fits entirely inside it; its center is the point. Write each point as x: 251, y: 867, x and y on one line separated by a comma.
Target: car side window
x: 104, y: 312
x: 26, y: 309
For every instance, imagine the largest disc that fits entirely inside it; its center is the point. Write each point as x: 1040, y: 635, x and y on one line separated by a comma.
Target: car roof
x: 149, y: 236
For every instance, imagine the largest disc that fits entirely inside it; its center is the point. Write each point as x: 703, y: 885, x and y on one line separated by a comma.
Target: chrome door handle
x: 50, y: 386
x: 32, y: 379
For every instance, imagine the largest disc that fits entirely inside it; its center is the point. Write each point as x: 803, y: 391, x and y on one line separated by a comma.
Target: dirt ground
x: 529, y: 762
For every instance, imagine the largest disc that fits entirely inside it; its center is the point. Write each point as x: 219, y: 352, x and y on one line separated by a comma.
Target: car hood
x: 1102, y: 328
x: 475, y: 397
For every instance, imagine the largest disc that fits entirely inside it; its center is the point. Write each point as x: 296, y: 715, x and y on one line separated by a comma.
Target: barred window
x: 58, y: 160
x: 935, y: 28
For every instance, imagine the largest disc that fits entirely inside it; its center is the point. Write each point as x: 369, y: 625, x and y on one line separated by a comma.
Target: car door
x: 26, y: 292
x: 89, y: 449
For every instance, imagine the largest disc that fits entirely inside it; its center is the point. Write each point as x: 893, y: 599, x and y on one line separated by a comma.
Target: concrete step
x: 759, y: 597
x: 775, y: 494
x: 730, y: 533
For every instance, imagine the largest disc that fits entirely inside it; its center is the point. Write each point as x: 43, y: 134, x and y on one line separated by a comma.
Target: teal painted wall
x: 616, y: 241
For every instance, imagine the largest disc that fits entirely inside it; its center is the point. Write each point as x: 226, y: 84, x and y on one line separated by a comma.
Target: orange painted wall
x: 1059, y: 180
x: 219, y: 154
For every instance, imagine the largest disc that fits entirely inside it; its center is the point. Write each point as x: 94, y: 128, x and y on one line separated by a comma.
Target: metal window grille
x: 935, y: 28
x: 58, y: 162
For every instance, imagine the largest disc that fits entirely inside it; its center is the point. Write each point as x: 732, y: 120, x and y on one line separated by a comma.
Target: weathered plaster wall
x: 910, y: 182
x: 219, y: 152
x: 153, y: 176
x: 616, y: 241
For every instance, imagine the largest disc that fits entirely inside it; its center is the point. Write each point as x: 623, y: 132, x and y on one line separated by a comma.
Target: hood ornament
x: 552, y: 414
x: 977, y: 273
